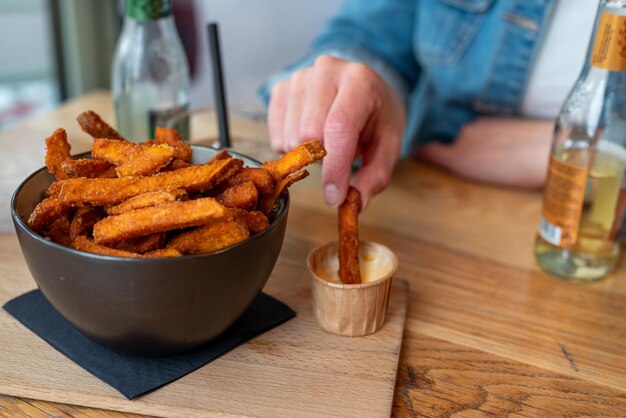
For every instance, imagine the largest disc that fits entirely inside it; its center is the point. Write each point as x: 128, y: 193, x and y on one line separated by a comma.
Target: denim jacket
x: 449, y: 60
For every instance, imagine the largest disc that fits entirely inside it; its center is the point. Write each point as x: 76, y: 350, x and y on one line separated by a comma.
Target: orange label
x: 609, y: 49
x: 563, y: 199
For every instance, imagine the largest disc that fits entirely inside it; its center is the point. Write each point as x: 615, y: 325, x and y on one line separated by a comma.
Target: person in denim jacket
x: 471, y: 85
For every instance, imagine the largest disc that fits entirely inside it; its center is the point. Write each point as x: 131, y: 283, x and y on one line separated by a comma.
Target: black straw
x: 218, y: 84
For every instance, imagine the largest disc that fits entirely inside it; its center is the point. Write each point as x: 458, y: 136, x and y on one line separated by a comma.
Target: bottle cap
x: 148, y: 9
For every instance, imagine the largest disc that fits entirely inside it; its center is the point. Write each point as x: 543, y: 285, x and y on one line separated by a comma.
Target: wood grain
x: 522, y: 315
x: 487, y: 333
x: 439, y: 378
x: 295, y: 364
x: 32, y: 408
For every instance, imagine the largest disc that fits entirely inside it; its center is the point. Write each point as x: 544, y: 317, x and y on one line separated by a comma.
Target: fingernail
x: 331, y: 194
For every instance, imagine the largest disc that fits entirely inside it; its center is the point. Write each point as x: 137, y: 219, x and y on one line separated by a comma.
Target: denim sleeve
x: 377, y: 33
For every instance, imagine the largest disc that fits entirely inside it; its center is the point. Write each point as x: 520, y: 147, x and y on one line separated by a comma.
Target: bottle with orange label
x: 585, y: 192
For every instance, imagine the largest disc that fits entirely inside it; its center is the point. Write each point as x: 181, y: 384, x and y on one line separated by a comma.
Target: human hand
x: 353, y: 111
x: 500, y: 151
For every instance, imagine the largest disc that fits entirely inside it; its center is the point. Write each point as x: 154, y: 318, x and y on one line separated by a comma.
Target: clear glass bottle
x: 585, y: 190
x: 150, y: 74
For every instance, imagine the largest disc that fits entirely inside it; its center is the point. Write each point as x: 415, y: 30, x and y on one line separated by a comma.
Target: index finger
x: 347, y: 118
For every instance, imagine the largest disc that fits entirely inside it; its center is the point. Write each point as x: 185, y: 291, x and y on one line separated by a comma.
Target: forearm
x: 509, y: 152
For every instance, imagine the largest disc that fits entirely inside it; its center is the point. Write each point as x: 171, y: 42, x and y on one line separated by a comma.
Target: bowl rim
x: 282, y: 212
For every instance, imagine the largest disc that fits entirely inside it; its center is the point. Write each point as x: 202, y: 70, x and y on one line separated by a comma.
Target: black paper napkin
x: 132, y: 375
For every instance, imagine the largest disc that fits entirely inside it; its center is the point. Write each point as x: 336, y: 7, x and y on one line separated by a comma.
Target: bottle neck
x: 143, y: 10
x: 605, y: 51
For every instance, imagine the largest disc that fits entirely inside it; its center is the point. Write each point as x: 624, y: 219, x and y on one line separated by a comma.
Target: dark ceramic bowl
x: 147, y: 306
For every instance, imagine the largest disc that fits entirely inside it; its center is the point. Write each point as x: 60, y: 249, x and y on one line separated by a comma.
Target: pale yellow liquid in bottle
x: 595, y: 251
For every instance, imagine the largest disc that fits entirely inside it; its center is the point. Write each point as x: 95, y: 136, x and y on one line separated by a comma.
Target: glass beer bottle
x: 585, y: 190
x: 150, y: 74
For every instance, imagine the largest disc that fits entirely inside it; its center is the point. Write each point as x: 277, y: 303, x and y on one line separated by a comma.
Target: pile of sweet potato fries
x: 148, y: 200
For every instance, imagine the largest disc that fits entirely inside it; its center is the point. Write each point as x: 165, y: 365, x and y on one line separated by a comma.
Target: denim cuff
x: 348, y: 53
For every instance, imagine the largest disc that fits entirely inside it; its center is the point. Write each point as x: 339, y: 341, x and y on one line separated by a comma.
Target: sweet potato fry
x: 212, y: 237
x: 84, y: 220
x: 131, y: 198
x: 169, y: 136
x: 254, y: 220
x: 243, y: 196
x: 142, y: 245
x: 269, y: 202
x: 60, y: 162
x: 57, y: 151
x: 162, y: 253
x: 107, y: 192
x: 146, y: 221
x: 349, y: 269
x: 92, y: 124
x: 84, y: 167
x: 59, y: 231
x: 176, y: 164
x: 133, y: 159
x: 83, y: 243
x: 55, y: 188
x: 222, y: 155
x: 146, y: 200
x: 47, y: 211
x: 260, y: 177
x: 294, y: 160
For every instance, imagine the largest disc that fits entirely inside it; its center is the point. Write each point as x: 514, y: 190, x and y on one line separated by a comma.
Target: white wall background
x: 24, y: 43
x: 258, y: 37
x: 27, y: 74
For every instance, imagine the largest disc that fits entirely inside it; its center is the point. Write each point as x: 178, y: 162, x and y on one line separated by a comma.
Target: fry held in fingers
x: 349, y: 269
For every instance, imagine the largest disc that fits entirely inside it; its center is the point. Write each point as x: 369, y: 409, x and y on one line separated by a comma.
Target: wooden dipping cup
x: 351, y: 309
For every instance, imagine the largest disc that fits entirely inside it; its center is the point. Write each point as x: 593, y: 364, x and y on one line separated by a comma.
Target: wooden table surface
x: 487, y: 333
